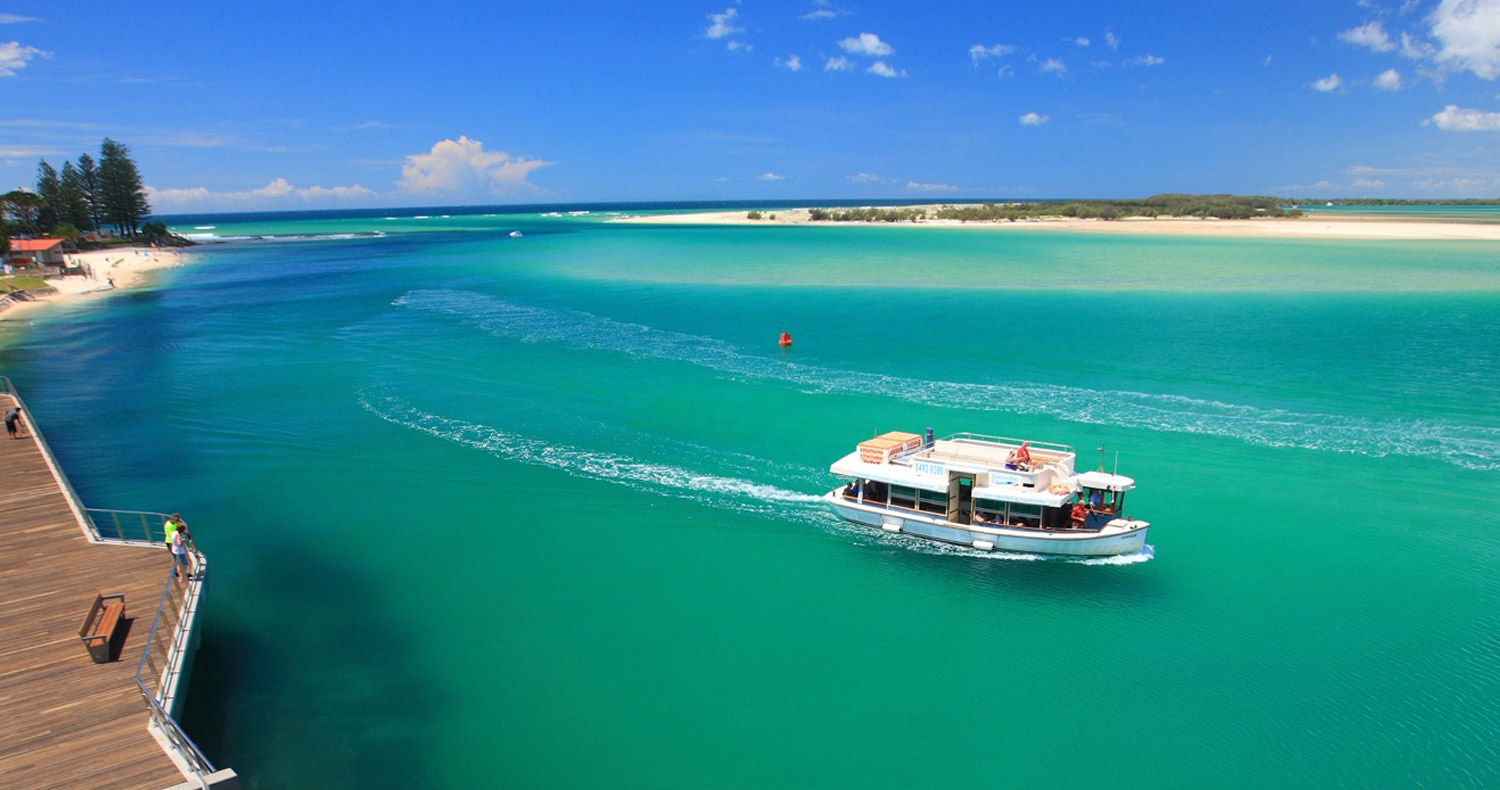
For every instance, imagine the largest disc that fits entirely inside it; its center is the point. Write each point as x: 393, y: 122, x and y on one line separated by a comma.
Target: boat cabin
x: 987, y: 481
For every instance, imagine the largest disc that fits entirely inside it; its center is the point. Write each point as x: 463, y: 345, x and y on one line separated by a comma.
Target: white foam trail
x: 1468, y: 446
x: 738, y: 494
x: 714, y: 490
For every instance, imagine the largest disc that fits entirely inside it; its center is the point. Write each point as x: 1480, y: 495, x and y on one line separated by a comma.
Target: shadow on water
x: 307, y: 684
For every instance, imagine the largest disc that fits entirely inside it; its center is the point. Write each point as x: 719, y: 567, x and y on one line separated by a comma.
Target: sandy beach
x: 111, y: 270
x: 1340, y: 227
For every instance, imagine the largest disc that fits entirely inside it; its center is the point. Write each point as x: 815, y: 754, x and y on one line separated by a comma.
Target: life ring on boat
x: 1060, y: 488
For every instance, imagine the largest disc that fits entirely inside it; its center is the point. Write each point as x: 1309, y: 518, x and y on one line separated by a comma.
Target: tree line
x: 1168, y: 205
x: 84, y: 197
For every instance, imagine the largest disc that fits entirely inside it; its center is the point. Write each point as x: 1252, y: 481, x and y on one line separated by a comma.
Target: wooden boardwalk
x: 66, y: 722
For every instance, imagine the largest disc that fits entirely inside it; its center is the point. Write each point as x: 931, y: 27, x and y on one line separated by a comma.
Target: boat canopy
x: 1105, y: 481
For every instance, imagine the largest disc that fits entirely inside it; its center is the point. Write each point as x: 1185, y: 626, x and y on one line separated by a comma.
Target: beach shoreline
x: 1350, y: 227
x: 109, y: 271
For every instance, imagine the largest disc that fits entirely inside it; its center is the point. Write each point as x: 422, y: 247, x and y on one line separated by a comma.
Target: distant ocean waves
x: 1467, y: 446
x: 205, y: 236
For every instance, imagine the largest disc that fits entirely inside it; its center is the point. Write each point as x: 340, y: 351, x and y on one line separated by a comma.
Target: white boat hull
x: 1120, y: 537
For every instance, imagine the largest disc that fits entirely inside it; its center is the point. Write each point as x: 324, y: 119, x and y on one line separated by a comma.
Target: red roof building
x: 35, y: 252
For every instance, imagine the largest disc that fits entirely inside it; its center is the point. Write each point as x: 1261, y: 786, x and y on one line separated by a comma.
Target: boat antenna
x: 1101, y: 458
x: 1117, y: 462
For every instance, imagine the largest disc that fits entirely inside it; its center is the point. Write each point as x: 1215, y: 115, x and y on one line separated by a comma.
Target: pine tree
x: 125, y: 204
x: 49, y: 188
x: 88, y: 179
x: 72, y: 207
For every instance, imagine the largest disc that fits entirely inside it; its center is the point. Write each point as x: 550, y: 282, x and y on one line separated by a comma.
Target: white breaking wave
x: 1468, y: 446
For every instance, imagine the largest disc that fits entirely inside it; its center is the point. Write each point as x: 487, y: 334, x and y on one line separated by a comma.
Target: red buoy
x: 786, y: 339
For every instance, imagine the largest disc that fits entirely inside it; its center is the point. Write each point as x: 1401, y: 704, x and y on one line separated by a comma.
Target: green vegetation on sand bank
x: 1172, y: 205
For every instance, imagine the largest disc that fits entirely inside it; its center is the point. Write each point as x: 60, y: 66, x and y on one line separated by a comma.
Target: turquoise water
x: 541, y: 511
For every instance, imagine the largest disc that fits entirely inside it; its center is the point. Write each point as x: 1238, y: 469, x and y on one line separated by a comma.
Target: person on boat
x: 1078, y: 515
x: 1020, y: 458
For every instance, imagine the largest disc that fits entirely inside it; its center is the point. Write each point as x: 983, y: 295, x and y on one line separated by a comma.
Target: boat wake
x: 1467, y: 446
x: 733, y: 493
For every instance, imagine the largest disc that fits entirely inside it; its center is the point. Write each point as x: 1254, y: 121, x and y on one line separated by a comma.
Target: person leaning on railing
x: 178, y: 540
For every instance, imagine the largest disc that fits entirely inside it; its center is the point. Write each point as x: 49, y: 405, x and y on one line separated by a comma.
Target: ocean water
x: 485, y: 511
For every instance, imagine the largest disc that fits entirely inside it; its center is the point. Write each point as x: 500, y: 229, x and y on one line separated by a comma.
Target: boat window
x: 932, y: 501
x: 989, y: 510
x: 875, y: 491
x: 902, y: 496
x: 1025, y: 515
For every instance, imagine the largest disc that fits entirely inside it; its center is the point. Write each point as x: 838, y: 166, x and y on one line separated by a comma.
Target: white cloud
x: 1145, y: 60
x: 14, y: 56
x: 838, y: 63
x: 1457, y: 119
x: 1370, y: 34
x: 769, y: 176
x: 462, y: 168
x: 1415, y: 48
x: 1389, y: 80
x: 723, y: 25
x: 15, y: 19
x: 1080, y: 41
x: 1033, y: 119
x: 880, y: 69
x: 1111, y: 40
x: 866, y: 44
x: 1365, y: 183
x: 1468, y: 35
x: 930, y: 187
x: 865, y: 178
x: 29, y: 151
x: 1328, y: 84
x: 736, y: 45
x: 790, y: 63
x: 1054, y: 66
x: 275, y: 193
x: 979, y: 52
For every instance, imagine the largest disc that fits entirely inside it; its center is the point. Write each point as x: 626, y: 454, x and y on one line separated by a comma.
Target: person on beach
x: 13, y: 422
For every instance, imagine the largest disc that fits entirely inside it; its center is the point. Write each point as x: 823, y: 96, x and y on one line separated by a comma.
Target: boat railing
x: 967, y: 436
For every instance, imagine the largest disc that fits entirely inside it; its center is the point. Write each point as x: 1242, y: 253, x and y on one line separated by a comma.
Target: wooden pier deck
x: 66, y: 722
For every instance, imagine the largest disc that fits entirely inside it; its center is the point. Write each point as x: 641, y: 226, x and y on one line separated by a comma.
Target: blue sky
x: 298, y: 105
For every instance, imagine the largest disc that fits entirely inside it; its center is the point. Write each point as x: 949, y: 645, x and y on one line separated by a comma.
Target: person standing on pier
x: 13, y: 422
x: 178, y: 538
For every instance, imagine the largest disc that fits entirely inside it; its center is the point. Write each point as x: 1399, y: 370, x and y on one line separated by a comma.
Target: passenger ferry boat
x: 987, y: 492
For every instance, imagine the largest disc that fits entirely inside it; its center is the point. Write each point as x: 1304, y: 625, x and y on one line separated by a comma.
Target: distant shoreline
x: 115, y: 269
x: 1351, y: 226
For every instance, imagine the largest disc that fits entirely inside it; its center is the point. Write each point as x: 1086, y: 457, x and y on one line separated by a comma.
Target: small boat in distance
x: 515, y: 234
x: 987, y: 492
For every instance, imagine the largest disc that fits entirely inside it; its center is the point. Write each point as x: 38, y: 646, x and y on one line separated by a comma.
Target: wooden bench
x: 98, y: 631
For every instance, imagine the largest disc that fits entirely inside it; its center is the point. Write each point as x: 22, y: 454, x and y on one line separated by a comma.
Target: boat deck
x: 68, y: 722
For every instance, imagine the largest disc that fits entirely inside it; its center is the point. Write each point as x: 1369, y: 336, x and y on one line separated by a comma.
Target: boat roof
x: 1106, y: 481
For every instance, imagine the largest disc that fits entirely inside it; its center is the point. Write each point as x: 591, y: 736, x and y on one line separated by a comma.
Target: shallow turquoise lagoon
x: 541, y: 511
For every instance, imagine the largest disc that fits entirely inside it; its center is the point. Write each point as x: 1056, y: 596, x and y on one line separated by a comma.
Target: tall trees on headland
x: 82, y: 198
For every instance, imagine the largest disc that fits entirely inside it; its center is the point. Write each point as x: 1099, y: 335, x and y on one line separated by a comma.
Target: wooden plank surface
x: 66, y: 722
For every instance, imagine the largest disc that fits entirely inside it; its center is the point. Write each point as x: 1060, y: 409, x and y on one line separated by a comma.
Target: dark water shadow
x: 308, y: 685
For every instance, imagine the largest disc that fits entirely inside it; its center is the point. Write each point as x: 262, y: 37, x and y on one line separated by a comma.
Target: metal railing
x: 130, y: 526
x: 162, y: 660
